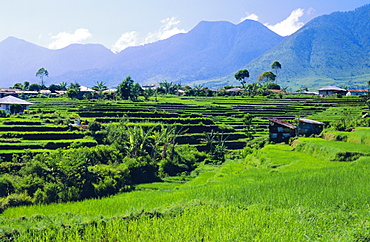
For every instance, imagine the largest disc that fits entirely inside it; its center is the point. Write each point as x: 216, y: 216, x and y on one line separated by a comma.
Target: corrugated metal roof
x: 332, y: 88
x: 13, y: 100
x: 282, y: 122
x: 235, y: 89
x: 86, y: 89
x: 309, y: 121
x: 358, y: 90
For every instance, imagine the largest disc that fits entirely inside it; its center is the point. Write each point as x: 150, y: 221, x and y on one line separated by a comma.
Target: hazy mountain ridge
x: 331, y: 49
x: 20, y: 60
x: 210, y: 50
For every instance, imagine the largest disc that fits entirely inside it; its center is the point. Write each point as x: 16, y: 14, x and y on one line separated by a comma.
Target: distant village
x: 325, y: 91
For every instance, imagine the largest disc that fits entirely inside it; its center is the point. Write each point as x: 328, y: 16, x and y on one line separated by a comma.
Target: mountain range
x: 329, y: 50
x: 210, y: 50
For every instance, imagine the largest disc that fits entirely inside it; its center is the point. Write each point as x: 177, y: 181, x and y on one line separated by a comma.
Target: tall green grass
x: 234, y: 204
x: 360, y: 136
x: 331, y: 150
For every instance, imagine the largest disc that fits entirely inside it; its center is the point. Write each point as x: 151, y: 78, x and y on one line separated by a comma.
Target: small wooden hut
x: 308, y: 127
x: 281, y: 131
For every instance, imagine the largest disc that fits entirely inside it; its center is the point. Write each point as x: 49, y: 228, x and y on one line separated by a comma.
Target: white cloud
x: 289, y: 25
x: 126, y: 40
x: 167, y: 29
x: 249, y: 16
x: 64, y: 39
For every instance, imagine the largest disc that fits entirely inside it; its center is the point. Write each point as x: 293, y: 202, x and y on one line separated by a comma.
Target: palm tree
x: 100, y: 86
x: 166, y: 86
x: 63, y: 86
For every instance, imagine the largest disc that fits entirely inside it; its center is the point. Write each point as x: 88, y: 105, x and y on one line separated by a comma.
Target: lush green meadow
x: 274, y: 194
x: 314, y: 190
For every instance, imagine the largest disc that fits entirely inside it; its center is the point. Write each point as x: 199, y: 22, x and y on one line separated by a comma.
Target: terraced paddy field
x: 36, y: 135
x: 51, y: 126
x: 278, y: 193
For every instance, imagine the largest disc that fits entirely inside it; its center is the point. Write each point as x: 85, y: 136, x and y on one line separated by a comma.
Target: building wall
x: 308, y: 129
x: 280, y: 133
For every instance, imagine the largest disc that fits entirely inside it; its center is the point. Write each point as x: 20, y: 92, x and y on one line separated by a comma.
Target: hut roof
x: 13, y: 100
x: 358, y: 90
x: 282, y: 122
x: 332, y: 88
x: 86, y: 89
x: 235, y: 89
x: 9, y: 90
x: 309, y: 121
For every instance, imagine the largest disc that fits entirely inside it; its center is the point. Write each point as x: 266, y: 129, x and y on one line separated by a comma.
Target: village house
x: 8, y: 91
x: 6, y: 103
x: 332, y: 91
x: 308, y: 127
x: 304, y: 92
x: 357, y: 92
x: 281, y: 131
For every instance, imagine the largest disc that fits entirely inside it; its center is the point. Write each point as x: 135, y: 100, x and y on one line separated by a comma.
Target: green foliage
x: 16, y: 199
x: 266, y: 76
x: 272, y: 85
x: 42, y: 72
x: 241, y: 75
x: 124, y: 89
x: 6, y: 186
x: 276, y: 66
x: 72, y: 93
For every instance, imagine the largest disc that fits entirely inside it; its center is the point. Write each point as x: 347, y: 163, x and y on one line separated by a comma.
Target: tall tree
x: 26, y: 85
x: 41, y: 73
x: 276, y: 66
x: 136, y: 91
x: 267, y: 76
x: 124, y: 89
x: 241, y: 75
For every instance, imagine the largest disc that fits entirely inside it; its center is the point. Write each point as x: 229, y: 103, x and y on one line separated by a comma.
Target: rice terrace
x: 253, y: 129
x: 188, y: 167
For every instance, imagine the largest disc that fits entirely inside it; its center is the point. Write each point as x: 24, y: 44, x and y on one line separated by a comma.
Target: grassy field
x: 315, y: 190
x: 274, y: 194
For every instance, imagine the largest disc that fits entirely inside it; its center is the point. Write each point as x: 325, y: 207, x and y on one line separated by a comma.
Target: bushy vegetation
x: 130, y: 155
x: 185, y: 180
x: 286, y: 195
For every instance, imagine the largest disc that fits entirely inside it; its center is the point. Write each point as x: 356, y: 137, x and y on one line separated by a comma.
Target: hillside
x: 331, y: 49
x: 19, y: 60
x: 211, y: 49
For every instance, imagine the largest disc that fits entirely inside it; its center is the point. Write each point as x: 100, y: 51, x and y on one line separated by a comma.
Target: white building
x: 8, y: 101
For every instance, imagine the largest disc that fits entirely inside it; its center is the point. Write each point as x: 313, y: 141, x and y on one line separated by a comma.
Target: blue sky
x: 120, y: 23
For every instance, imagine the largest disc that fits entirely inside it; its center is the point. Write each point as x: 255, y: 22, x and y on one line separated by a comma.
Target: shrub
x: 39, y: 197
x: 94, y: 126
x: 6, y: 187
x: 16, y: 199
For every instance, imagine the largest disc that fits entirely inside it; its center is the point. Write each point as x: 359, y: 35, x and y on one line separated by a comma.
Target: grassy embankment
x: 274, y: 194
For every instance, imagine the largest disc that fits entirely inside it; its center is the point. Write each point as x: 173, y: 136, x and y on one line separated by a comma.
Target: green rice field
x: 316, y: 189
